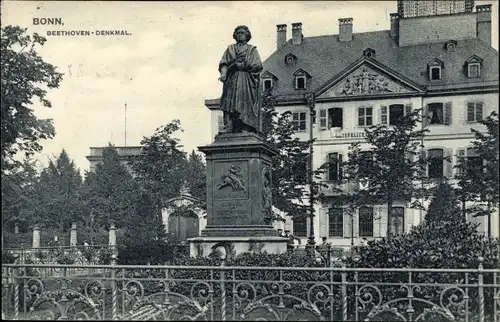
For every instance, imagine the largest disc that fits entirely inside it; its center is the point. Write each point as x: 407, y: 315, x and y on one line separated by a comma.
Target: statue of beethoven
x: 240, y: 69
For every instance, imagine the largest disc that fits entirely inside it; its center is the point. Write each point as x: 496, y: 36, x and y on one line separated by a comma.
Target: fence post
x: 481, y: 289
x: 114, y: 289
x: 223, y: 291
x: 344, y: 289
x: 73, y: 236
x: 36, y: 237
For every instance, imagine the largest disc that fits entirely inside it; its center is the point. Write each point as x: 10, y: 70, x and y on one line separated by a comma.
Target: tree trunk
x: 464, y: 209
x: 489, y: 220
x: 389, y: 217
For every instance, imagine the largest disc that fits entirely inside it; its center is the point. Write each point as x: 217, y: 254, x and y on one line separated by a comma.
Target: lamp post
x: 312, y: 113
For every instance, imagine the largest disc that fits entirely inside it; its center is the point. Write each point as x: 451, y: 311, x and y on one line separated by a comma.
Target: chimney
x: 281, y: 36
x: 345, y: 29
x: 297, y: 33
x: 394, y: 25
x: 483, y: 21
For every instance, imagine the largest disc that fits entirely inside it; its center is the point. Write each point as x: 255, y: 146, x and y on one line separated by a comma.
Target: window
x: 474, y: 162
x: 299, y: 120
x: 220, y: 124
x: 435, y: 163
x: 332, y: 117
x: 436, y: 115
x: 435, y: 72
x: 366, y: 221
x: 299, y: 169
x: 474, y: 70
x: 335, y: 167
x: 396, y: 113
x: 439, y: 113
x: 366, y: 157
x: 300, y: 82
x: 474, y: 111
x: 365, y: 116
x: 300, y: 227
x: 336, y: 221
x: 397, y: 221
x: 268, y: 84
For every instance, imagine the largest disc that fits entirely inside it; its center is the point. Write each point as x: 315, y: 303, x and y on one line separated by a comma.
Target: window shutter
x: 323, y: 222
x: 447, y: 113
x: 470, y: 112
x: 347, y: 224
x: 308, y: 225
x: 341, y: 174
x: 323, y: 119
x: 425, y: 115
x: 380, y: 221
x: 448, y: 165
x: 479, y: 111
x: 408, y: 108
x: 383, y: 115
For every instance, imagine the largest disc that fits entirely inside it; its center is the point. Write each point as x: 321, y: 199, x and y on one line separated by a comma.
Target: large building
x: 125, y: 153
x: 441, y: 63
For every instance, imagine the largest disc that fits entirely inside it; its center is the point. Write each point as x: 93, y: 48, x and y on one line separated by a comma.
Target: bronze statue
x: 240, y: 69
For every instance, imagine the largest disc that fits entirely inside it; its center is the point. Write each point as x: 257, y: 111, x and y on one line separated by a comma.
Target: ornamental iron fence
x: 210, y: 293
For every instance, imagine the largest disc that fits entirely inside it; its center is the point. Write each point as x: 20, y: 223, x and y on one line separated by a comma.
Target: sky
x: 167, y: 67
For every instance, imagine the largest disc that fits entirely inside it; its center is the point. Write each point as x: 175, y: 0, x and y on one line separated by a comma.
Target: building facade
x: 125, y: 153
x: 442, y: 64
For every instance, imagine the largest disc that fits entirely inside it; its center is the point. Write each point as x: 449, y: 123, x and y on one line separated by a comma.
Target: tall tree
x: 110, y: 192
x: 478, y: 178
x: 161, y: 167
x: 444, y: 205
x: 196, y: 175
x: 25, y: 75
x: 57, y: 194
x: 390, y: 169
x: 18, y: 195
x: 290, y: 166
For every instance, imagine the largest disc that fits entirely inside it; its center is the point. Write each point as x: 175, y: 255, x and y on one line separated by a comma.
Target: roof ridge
x: 354, y: 34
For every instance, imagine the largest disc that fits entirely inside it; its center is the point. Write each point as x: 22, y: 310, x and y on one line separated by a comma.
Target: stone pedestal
x: 238, y: 196
x: 112, y: 235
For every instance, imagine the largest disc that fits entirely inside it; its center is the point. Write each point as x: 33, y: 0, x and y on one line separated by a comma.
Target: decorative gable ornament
x: 366, y: 81
x: 290, y: 59
x: 450, y: 45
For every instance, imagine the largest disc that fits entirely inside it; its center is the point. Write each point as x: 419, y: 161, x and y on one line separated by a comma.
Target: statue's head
x: 242, y: 34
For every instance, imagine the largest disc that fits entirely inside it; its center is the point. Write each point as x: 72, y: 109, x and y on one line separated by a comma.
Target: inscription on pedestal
x: 231, y: 212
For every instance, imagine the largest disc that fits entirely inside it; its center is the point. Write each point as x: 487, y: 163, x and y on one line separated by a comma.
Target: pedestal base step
x: 234, y: 246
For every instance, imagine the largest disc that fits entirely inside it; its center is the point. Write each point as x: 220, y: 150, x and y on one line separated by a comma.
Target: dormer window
x: 268, y: 84
x: 300, y: 79
x: 435, y: 72
x: 268, y: 81
x: 473, y: 66
x: 435, y: 68
x: 300, y: 82
x: 290, y: 59
x: 369, y: 53
x: 450, y: 45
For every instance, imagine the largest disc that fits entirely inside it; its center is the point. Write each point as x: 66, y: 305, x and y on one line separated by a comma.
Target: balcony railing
x: 174, y: 293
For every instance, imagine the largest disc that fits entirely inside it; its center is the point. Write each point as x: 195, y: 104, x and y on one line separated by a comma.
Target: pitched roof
x: 323, y: 57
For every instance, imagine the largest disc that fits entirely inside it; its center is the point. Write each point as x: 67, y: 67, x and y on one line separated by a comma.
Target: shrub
x: 433, y: 244
x: 8, y: 257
